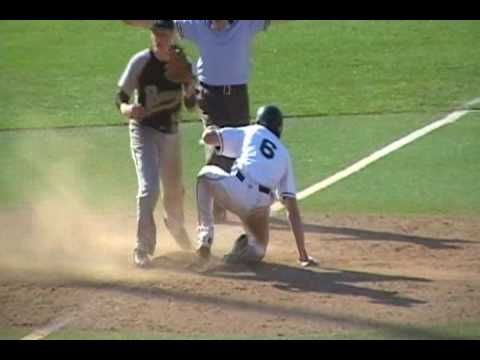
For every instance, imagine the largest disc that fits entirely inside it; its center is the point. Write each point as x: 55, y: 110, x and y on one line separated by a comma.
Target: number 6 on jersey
x: 268, y: 149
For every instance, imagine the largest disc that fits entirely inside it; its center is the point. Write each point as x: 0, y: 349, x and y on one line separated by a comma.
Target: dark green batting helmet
x: 271, y: 117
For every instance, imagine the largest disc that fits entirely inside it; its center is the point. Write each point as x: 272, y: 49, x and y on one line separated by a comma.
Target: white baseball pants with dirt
x: 158, y: 162
x: 242, y: 198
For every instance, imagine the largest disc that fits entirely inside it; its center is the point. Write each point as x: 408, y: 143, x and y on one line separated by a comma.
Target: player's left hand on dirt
x: 178, y: 68
x: 310, y: 262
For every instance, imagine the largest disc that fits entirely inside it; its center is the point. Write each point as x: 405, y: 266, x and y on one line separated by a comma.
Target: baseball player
x: 224, y: 72
x: 262, y: 172
x: 154, y: 138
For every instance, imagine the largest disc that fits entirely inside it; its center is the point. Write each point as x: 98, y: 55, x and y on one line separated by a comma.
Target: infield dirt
x: 375, y: 272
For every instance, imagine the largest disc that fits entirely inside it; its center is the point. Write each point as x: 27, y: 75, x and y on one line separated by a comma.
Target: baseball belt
x: 261, y: 188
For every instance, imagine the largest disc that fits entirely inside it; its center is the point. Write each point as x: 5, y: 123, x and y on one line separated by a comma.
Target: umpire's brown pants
x: 223, y: 106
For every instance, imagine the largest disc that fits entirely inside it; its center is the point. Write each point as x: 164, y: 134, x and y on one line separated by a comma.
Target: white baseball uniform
x: 262, y: 172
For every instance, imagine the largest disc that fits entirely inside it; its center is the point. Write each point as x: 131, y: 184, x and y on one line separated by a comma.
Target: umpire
x: 223, y: 71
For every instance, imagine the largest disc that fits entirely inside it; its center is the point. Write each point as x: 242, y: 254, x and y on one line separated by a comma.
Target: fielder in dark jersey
x: 154, y: 139
x: 161, y: 98
x: 223, y: 72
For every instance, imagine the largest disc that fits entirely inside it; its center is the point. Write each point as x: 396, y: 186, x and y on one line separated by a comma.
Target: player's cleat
x: 240, y: 244
x: 310, y: 262
x: 141, y: 259
x: 239, y: 247
x: 204, y: 252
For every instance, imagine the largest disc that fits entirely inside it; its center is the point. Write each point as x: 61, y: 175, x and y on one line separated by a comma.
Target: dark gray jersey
x: 145, y: 78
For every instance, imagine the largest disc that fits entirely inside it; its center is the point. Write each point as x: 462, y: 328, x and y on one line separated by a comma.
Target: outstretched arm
x: 296, y: 224
x: 139, y: 23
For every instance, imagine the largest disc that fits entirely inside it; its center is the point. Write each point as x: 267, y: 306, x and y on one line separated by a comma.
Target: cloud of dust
x: 60, y: 235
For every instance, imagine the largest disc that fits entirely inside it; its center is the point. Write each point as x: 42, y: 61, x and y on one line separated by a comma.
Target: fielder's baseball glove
x: 178, y: 68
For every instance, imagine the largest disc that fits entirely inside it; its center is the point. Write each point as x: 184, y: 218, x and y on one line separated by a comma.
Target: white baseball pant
x: 242, y: 198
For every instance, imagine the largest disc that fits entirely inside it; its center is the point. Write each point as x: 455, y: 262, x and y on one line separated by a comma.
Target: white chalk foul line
x: 359, y: 165
x: 51, y: 327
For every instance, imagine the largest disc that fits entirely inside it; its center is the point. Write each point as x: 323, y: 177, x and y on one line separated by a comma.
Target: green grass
x: 93, y: 165
x: 367, y: 66
x: 322, y: 147
x: 452, y: 331
x: 57, y: 73
x: 435, y: 175
x: 13, y: 333
x: 60, y: 73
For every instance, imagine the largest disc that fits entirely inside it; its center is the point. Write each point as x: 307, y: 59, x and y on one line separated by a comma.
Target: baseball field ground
x: 398, y: 242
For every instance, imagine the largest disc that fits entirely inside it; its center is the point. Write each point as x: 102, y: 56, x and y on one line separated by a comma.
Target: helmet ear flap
x: 279, y: 131
x: 271, y: 117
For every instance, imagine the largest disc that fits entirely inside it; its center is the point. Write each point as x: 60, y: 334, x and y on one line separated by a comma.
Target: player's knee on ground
x: 255, y: 253
x: 245, y: 251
